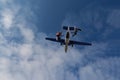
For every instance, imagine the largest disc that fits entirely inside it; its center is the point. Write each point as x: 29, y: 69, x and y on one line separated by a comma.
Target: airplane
x: 67, y: 40
x: 75, y: 29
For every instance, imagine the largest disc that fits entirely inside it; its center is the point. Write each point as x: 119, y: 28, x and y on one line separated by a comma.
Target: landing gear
x: 72, y: 45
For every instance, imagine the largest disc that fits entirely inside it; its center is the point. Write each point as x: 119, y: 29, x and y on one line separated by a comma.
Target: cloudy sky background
x: 25, y: 55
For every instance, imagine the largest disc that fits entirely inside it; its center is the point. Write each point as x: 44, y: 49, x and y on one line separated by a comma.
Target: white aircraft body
x: 67, y: 40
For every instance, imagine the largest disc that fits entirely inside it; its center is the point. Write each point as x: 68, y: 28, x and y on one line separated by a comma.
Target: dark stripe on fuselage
x: 67, y: 35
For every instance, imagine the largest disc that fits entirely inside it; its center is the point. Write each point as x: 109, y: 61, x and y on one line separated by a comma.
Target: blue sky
x: 26, y: 55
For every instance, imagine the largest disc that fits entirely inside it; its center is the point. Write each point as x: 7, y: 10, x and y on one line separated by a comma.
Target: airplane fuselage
x: 67, y: 39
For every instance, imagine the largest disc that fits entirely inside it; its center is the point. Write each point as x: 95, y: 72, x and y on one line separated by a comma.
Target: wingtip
x: 90, y: 44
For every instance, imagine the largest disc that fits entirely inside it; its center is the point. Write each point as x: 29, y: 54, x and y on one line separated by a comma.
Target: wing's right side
x: 79, y: 43
x: 53, y: 39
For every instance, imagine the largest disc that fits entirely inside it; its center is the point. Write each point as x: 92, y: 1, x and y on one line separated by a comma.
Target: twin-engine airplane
x: 67, y: 40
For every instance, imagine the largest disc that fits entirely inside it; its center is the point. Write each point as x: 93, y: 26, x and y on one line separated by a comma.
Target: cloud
x: 89, y: 73
x: 7, y: 18
x: 27, y: 33
x: 114, y: 17
x: 101, y: 70
x: 25, y: 55
x: 8, y: 13
x: 5, y: 2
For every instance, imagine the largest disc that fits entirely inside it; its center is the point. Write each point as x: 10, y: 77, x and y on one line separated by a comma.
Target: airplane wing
x: 70, y: 43
x: 79, y: 43
x: 53, y: 39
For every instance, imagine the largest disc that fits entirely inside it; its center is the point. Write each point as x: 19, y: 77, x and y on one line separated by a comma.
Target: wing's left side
x: 79, y: 43
x: 53, y: 39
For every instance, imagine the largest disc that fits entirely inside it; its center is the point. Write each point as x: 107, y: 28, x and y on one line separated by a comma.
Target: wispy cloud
x: 101, y: 70
x: 33, y: 58
x: 114, y: 17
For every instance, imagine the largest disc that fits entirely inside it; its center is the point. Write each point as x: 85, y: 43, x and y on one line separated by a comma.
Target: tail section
x: 71, y: 28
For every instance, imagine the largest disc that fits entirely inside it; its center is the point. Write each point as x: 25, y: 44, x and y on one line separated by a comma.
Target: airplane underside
x: 66, y: 44
x: 66, y: 48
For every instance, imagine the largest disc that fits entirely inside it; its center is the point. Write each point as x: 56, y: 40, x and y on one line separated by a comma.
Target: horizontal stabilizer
x: 70, y: 28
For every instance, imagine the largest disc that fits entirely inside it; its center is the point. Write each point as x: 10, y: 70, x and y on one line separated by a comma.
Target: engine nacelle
x: 58, y: 38
x: 58, y: 35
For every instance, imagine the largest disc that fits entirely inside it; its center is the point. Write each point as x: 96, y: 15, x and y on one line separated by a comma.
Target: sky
x: 26, y: 55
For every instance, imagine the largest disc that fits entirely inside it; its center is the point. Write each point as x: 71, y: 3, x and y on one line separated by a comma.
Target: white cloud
x: 37, y: 59
x: 5, y: 76
x: 4, y: 73
x: 7, y: 18
x: 4, y: 2
x: 25, y: 50
x: 89, y: 73
x: 4, y: 63
x: 102, y: 69
x: 27, y: 33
